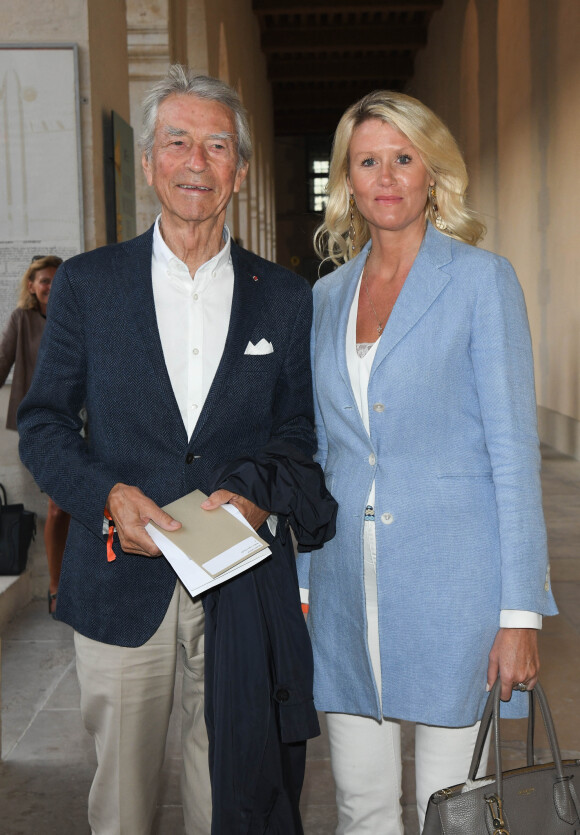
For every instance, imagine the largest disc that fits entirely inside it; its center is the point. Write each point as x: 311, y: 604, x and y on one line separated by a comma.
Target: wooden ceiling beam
x: 335, y: 69
x: 280, y: 7
x: 324, y: 98
x: 322, y: 56
x: 337, y: 38
x: 307, y: 122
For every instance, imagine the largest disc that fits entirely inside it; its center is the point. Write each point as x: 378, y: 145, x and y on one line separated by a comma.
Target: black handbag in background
x: 533, y: 800
x: 17, y: 529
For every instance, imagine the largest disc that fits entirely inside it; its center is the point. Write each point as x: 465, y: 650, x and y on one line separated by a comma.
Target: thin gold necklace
x: 365, y: 281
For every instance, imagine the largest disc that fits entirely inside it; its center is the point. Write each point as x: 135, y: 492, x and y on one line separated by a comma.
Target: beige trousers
x: 126, y: 701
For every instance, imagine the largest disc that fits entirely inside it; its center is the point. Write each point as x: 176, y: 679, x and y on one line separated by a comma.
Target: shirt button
x: 194, y: 406
x: 387, y: 518
x: 195, y: 297
x: 372, y: 459
x: 378, y: 407
x: 196, y: 351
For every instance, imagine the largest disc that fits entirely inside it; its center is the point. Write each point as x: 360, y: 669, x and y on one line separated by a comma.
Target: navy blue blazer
x: 101, y: 348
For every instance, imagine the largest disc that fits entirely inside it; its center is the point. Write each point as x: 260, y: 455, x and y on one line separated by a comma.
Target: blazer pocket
x: 466, y: 476
x: 251, y: 363
x: 465, y: 491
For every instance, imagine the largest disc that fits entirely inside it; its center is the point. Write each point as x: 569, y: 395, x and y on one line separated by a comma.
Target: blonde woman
x: 19, y: 348
x: 437, y: 579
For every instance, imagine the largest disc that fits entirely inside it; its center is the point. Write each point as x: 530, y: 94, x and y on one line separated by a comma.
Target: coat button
x: 282, y: 695
x: 189, y: 457
x: 372, y: 459
x: 387, y: 518
x: 378, y: 407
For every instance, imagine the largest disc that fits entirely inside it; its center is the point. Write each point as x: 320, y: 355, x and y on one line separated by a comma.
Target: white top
x: 359, y: 370
x: 193, y: 317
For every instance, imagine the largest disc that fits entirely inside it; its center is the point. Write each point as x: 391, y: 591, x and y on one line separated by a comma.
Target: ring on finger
x: 521, y: 686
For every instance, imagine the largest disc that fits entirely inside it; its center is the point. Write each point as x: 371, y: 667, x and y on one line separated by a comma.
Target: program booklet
x: 211, y: 546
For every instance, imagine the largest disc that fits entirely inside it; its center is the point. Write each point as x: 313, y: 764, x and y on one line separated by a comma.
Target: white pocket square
x: 263, y: 347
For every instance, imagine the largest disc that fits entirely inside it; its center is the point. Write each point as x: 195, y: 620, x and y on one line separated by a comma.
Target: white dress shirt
x: 193, y: 317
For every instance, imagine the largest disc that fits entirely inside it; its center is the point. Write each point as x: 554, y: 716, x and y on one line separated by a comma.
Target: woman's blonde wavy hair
x: 439, y: 153
x: 26, y: 299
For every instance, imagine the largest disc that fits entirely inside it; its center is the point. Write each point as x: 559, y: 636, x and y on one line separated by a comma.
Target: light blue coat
x: 454, y: 452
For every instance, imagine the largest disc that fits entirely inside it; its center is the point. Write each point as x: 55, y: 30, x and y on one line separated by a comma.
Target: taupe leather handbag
x: 534, y: 800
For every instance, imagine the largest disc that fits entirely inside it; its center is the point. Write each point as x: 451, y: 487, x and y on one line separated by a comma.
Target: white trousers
x: 366, y: 754
x: 126, y: 701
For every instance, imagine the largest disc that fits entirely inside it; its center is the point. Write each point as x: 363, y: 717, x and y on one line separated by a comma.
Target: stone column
x: 159, y: 32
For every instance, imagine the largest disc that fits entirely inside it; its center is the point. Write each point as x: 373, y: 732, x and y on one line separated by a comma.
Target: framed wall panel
x: 41, y: 209
x: 124, y: 161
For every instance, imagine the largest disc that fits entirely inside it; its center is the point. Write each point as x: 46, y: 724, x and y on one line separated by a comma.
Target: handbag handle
x: 3, y: 499
x: 530, y: 755
x: 565, y: 798
x: 486, y: 720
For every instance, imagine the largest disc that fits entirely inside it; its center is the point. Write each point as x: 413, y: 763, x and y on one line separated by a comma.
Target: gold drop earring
x: 439, y: 222
x: 351, y: 228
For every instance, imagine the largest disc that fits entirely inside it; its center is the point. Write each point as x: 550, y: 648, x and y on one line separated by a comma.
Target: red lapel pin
x: 255, y: 277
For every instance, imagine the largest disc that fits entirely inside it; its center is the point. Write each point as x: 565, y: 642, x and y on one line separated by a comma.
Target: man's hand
x: 254, y: 514
x: 131, y: 511
x: 514, y: 657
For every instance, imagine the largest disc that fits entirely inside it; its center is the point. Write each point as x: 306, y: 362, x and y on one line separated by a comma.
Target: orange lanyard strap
x: 111, y: 556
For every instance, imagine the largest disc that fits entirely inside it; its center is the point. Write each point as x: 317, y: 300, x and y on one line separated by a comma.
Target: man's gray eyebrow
x: 181, y: 132
x: 223, y: 135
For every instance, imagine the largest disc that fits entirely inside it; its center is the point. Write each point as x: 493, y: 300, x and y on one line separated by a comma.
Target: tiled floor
x: 48, y: 759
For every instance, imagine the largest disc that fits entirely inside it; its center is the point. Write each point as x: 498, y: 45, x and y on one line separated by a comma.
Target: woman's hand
x: 514, y: 657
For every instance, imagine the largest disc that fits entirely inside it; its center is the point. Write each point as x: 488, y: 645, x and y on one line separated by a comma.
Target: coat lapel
x: 134, y: 271
x: 424, y: 283
x: 341, y: 296
x: 247, y: 305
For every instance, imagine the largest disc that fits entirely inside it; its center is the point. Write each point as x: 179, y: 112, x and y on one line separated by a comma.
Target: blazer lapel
x: 341, y: 297
x: 134, y: 271
x: 247, y: 305
x: 424, y: 283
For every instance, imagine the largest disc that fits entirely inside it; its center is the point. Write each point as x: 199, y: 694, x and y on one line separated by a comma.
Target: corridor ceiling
x: 324, y: 56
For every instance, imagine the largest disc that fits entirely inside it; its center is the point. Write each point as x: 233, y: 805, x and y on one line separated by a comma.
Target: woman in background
x: 437, y: 578
x: 19, y: 348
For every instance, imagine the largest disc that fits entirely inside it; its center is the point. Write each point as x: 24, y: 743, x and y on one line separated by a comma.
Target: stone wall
x: 509, y: 88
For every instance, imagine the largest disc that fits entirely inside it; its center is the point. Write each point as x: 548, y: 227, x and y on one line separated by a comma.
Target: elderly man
x: 189, y: 353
